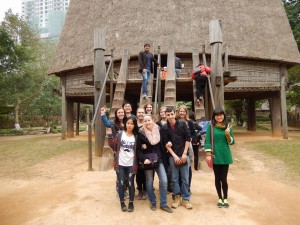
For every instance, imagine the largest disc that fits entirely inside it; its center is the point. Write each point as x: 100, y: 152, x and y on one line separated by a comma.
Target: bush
x: 11, y: 132
x: 262, y: 119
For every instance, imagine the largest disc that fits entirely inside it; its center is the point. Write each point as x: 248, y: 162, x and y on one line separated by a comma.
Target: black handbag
x: 153, y: 158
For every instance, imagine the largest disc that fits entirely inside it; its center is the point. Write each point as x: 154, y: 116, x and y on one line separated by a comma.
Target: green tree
x: 292, y: 8
x: 236, y: 107
x: 24, y: 62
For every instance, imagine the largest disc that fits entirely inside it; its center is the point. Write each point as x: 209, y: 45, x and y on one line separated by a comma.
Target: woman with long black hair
x: 219, y: 149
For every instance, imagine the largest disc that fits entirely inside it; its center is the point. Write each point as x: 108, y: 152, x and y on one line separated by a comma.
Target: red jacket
x: 204, y: 71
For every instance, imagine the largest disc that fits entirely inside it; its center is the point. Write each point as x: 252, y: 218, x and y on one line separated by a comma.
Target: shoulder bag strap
x: 212, y: 137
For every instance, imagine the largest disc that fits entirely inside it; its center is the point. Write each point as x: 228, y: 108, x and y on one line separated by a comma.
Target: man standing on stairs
x: 145, y: 62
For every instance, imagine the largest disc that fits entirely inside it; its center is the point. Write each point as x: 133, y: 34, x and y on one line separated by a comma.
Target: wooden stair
x: 170, y: 83
x: 120, y: 85
x: 199, y: 110
x: 144, y: 101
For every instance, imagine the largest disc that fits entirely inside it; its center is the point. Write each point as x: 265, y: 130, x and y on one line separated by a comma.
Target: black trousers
x: 221, y: 172
x: 200, y: 85
x: 196, y: 156
x: 141, y: 180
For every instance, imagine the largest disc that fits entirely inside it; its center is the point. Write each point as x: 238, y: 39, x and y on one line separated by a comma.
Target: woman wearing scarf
x: 149, y: 141
x: 223, y: 137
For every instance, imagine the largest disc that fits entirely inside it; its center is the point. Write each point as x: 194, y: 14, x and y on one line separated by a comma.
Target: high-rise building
x: 47, y: 16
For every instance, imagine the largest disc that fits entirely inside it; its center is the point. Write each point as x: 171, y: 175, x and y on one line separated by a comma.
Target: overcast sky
x: 14, y: 5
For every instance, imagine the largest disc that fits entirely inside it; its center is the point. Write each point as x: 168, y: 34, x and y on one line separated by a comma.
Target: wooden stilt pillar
x: 283, y: 75
x: 275, y: 115
x: 251, y: 121
x: 217, y: 83
x: 70, y: 119
x: 99, y: 76
x: 77, y: 118
x: 63, y: 107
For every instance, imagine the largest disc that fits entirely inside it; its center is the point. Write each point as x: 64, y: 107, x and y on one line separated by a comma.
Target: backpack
x: 196, y: 139
x: 197, y: 71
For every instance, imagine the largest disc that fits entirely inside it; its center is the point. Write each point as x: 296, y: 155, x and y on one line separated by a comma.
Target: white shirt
x: 126, y: 154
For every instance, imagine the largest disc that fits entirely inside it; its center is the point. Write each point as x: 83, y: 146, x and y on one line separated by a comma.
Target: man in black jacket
x: 145, y: 60
x: 176, y: 139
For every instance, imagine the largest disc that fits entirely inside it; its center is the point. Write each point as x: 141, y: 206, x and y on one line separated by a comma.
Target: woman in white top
x: 125, y: 162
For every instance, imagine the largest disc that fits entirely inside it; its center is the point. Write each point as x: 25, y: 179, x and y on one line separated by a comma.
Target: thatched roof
x: 254, y: 29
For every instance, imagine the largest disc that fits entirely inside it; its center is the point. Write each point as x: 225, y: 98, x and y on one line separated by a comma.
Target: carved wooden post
x: 63, y: 107
x: 215, y: 36
x: 283, y: 75
x: 99, y: 76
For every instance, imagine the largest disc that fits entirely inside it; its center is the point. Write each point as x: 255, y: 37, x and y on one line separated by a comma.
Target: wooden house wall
x: 249, y: 73
x: 254, y: 72
x: 75, y: 85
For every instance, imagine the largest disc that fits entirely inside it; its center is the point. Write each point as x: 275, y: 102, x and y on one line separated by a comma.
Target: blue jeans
x: 184, y: 172
x: 163, y: 184
x: 145, y: 77
x: 177, y: 73
x: 123, y: 175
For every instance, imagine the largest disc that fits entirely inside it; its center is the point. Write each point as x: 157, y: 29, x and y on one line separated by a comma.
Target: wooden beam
x: 283, y: 75
x: 275, y: 115
x: 99, y: 76
x: 215, y: 35
x: 70, y: 119
x: 254, y: 85
x: 170, y: 83
x: 63, y: 107
x: 251, y: 118
x: 77, y: 118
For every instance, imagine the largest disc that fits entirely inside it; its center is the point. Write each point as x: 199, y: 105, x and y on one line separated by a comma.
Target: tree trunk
x: 17, y: 125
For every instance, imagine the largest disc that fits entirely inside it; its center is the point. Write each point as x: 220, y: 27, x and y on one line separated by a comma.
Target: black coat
x: 158, y: 148
x: 177, y: 137
x: 142, y: 61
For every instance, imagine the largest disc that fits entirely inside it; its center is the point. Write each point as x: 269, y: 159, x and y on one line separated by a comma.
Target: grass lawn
x: 30, y: 151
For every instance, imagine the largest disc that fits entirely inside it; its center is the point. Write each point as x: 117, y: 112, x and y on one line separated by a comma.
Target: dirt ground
x: 61, y: 191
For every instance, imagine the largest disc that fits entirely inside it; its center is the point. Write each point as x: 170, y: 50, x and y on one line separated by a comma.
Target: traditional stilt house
x: 257, y: 34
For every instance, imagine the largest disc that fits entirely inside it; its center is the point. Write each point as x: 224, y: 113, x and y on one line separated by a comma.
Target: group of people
x: 199, y: 73
x: 143, y: 146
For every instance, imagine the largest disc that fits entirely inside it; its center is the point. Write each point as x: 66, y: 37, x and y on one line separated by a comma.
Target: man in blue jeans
x: 176, y: 139
x: 145, y: 62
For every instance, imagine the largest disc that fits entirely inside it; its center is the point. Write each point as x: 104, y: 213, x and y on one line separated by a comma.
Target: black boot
x: 123, y: 207
x: 130, y: 207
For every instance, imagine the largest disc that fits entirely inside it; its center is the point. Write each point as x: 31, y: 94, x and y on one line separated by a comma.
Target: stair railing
x: 157, y: 99
x: 91, y: 125
x: 208, y: 78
